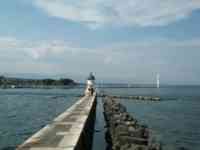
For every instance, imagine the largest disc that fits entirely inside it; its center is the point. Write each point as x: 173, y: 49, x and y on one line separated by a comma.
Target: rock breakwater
x: 142, y: 98
x: 123, y: 131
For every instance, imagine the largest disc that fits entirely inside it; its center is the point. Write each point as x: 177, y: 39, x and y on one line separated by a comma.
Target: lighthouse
x: 90, y: 84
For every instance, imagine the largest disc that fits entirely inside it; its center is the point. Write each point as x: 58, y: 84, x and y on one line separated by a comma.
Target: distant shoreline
x: 7, y: 82
x: 66, y: 83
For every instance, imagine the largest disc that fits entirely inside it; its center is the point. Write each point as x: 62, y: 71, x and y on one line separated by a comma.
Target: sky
x: 119, y: 41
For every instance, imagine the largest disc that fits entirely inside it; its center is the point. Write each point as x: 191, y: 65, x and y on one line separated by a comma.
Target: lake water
x: 175, y: 121
x: 25, y: 111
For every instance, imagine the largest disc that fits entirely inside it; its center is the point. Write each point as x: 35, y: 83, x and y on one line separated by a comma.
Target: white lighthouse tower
x: 90, y: 85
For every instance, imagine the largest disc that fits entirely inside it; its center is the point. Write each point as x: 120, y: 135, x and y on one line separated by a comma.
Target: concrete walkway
x: 67, y: 131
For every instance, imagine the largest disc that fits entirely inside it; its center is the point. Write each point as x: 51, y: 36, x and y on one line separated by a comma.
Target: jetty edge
x: 71, y: 130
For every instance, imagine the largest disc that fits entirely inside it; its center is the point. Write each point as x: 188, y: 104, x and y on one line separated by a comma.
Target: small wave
x: 9, y: 148
x: 182, y: 148
x: 56, y: 97
x: 12, y: 116
x: 25, y: 133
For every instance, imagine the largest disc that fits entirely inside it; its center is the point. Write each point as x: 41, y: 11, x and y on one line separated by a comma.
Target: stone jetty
x: 72, y: 130
x: 123, y: 131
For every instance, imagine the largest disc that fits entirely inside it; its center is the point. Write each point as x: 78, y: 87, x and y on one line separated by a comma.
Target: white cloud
x: 36, y: 49
x: 110, y: 54
x: 141, y: 58
x: 95, y: 13
x: 108, y: 60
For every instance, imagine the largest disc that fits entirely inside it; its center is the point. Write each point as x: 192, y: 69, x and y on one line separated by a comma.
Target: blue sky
x: 127, y: 42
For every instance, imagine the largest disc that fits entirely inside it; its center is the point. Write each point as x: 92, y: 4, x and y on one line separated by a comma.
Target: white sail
x: 158, y: 81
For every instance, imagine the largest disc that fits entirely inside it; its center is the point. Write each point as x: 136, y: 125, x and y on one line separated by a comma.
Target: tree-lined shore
x: 8, y: 82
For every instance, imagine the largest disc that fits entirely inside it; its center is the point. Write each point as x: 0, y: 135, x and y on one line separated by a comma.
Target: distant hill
x: 21, y: 82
